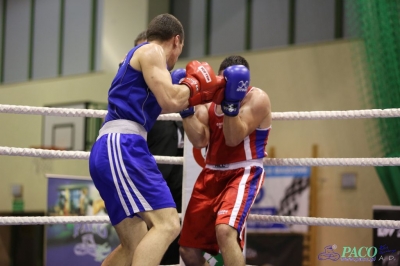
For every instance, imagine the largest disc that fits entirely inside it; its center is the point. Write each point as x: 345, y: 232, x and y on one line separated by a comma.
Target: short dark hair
x: 141, y: 36
x: 163, y: 27
x: 233, y: 60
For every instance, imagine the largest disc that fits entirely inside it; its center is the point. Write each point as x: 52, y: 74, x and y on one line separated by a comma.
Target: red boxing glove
x: 202, y: 82
x: 219, y: 96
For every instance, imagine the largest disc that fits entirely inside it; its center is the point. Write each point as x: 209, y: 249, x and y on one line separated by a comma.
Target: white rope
x: 326, y: 221
x: 26, y: 220
x: 312, y: 115
x: 67, y: 112
x: 351, y: 114
x: 42, y: 153
x: 72, y: 112
x: 12, y: 151
x: 28, y: 152
x: 333, y: 161
x: 31, y: 110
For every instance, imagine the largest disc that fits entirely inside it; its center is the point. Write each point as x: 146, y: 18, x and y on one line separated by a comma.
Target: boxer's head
x: 231, y: 61
x: 141, y: 38
x: 167, y: 29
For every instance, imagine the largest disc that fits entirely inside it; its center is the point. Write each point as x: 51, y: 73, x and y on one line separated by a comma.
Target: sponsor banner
x: 79, y: 244
x: 385, y: 248
x: 274, y: 249
x: 386, y: 241
x: 286, y: 191
x: 383, y: 254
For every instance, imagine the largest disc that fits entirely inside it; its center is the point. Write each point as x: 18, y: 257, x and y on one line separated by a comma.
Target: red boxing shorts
x: 220, y: 197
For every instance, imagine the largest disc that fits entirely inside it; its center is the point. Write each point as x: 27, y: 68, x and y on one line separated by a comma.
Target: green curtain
x: 390, y: 178
x: 376, y: 24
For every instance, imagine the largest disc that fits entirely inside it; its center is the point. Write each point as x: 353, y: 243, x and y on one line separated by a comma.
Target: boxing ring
x: 294, y: 220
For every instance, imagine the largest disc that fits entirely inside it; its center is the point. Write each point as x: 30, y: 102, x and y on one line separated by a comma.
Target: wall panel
x: 46, y: 39
x: 99, y: 33
x: 315, y: 21
x: 1, y: 37
x: 77, y: 33
x: 17, y: 41
x: 270, y: 23
x: 227, y: 26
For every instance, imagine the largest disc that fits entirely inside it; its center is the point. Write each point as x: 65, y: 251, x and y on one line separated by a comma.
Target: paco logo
x: 329, y: 254
x: 355, y: 254
x: 361, y: 252
x: 205, y: 74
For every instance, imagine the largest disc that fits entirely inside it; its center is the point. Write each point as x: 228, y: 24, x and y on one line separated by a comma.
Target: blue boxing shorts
x: 127, y: 177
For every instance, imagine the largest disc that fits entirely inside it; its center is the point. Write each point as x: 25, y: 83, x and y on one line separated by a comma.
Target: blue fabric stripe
x: 135, y: 198
x: 261, y: 136
x: 251, y: 195
x: 115, y: 155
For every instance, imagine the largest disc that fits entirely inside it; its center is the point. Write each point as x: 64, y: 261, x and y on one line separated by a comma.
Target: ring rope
x: 28, y: 152
x: 311, y: 221
x: 313, y: 115
x: 309, y: 115
x: 79, y: 155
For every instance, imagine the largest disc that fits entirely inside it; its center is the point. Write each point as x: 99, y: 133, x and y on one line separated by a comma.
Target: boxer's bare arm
x: 196, y: 127
x: 150, y: 59
x: 255, y: 112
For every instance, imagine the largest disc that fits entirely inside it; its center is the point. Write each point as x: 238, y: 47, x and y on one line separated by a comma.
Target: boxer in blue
x: 122, y: 168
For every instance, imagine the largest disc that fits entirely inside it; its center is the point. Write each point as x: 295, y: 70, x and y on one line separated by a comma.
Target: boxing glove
x: 177, y: 75
x: 187, y: 112
x: 202, y: 82
x: 237, y: 81
x: 219, y: 96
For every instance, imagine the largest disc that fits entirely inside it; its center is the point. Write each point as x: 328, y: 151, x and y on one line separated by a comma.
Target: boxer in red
x: 235, y: 129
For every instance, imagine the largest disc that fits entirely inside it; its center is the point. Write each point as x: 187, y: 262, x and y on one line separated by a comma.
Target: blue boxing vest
x: 130, y: 98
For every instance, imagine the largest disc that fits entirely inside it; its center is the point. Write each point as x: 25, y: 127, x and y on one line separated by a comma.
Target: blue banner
x: 286, y: 192
x: 76, y: 244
